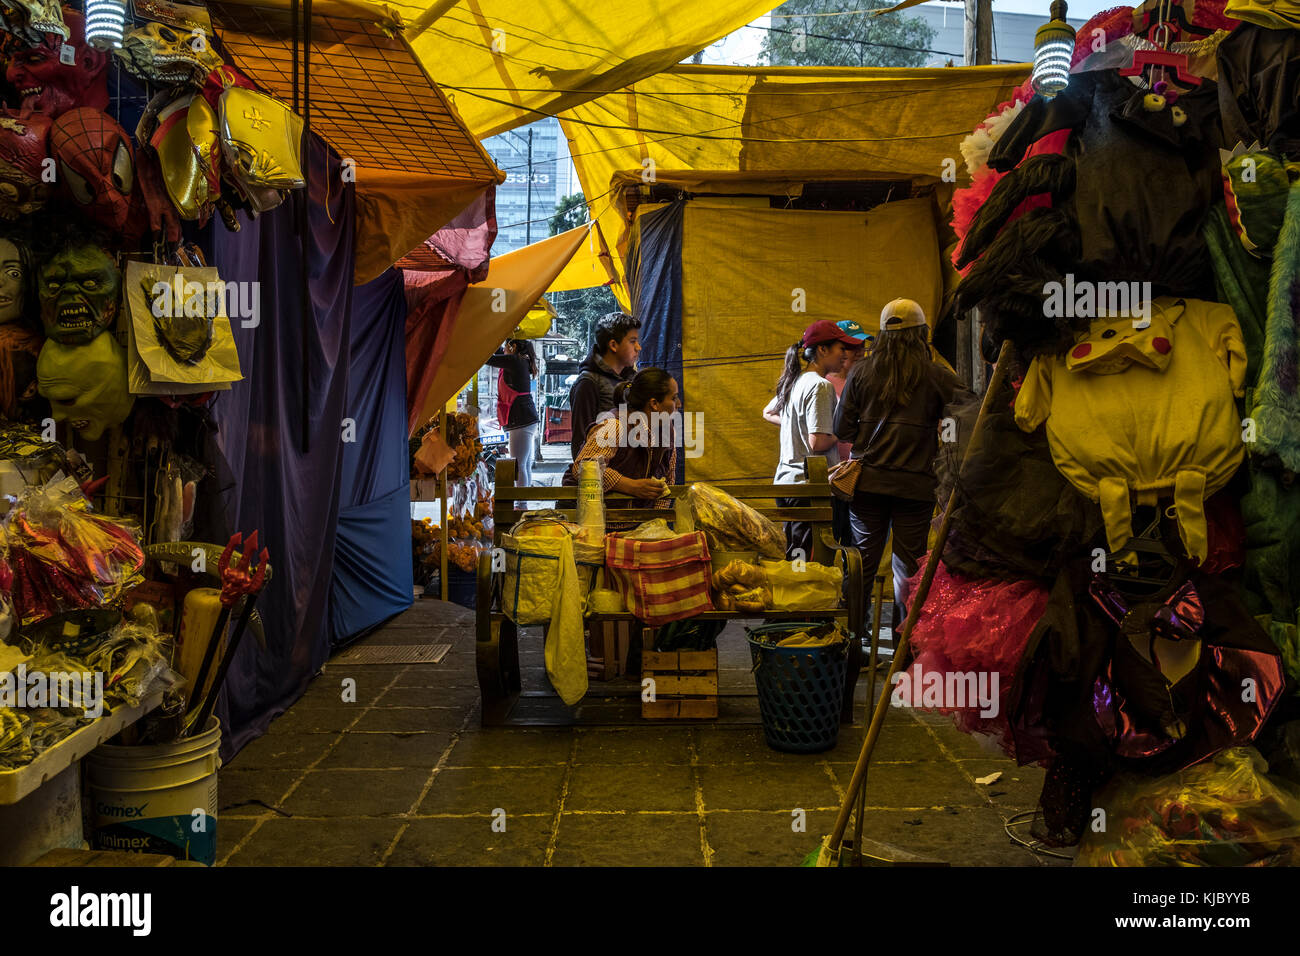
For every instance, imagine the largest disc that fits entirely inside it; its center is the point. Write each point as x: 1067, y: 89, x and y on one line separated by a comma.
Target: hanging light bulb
x: 1053, y: 50
x: 105, y: 23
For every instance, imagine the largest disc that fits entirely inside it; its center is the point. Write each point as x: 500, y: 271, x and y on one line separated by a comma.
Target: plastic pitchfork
x: 236, y: 582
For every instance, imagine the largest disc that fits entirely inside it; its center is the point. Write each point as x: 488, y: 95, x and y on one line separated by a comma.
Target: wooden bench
x: 498, y: 638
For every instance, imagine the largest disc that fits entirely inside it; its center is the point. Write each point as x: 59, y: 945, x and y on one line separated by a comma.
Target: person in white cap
x: 891, y: 408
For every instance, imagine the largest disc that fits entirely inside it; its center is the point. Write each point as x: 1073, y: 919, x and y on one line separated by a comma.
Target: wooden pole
x: 442, y: 495
x: 859, y: 778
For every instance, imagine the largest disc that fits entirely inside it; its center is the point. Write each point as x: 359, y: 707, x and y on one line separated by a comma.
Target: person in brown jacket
x: 891, y: 410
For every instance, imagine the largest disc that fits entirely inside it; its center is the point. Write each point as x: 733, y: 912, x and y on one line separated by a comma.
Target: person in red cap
x: 804, y: 407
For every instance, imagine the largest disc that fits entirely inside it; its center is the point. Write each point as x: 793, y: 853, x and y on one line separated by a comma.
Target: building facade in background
x: 550, y: 175
x: 1013, y: 33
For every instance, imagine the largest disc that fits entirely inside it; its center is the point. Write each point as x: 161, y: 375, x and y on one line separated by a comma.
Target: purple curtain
x: 290, y: 495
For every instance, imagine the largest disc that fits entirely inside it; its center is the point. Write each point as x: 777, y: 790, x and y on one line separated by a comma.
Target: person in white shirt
x: 804, y: 407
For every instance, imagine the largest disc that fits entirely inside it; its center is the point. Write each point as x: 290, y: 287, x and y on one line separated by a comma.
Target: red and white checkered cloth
x: 661, y: 581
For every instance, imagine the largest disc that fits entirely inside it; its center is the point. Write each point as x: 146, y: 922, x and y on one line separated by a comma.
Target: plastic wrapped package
x: 806, y: 587
x: 972, y: 627
x: 732, y: 525
x: 1225, y: 811
x: 533, y: 563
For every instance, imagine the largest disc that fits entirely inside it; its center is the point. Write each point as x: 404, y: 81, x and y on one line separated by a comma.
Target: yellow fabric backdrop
x: 740, y: 267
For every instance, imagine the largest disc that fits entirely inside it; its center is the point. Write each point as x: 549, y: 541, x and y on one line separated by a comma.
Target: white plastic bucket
x: 157, y: 798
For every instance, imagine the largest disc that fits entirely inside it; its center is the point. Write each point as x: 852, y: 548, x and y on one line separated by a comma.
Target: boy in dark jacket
x: 612, y: 360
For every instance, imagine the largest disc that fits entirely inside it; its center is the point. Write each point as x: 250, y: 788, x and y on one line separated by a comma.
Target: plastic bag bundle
x: 533, y: 564
x: 732, y: 525
x: 803, y: 586
x: 742, y: 586
x: 64, y: 557
x: 1225, y: 811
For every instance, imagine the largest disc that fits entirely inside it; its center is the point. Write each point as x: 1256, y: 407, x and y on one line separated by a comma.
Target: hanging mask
x: 47, y: 85
x: 185, y: 333
x: 22, y: 155
x: 183, y: 133
x: 78, y: 292
x: 260, y: 138
x: 96, y: 165
x: 85, y: 384
x: 33, y: 19
x: 163, y: 54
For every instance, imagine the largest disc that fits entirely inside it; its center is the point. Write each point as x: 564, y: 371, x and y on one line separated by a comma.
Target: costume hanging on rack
x: 1145, y: 410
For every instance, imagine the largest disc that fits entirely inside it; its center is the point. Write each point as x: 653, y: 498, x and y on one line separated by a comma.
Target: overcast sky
x: 742, y: 47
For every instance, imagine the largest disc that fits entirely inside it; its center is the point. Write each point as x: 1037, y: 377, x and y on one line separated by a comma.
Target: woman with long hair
x: 639, y: 444
x: 516, y: 410
x: 804, y: 407
x: 891, y: 409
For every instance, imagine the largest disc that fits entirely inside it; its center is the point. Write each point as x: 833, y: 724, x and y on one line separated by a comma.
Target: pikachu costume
x: 1145, y: 411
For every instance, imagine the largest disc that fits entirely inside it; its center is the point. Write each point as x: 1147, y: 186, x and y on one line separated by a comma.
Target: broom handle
x: 918, y: 601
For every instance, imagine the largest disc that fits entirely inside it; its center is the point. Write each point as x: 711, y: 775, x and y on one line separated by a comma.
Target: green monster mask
x: 78, y: 292
x: 86, y: 384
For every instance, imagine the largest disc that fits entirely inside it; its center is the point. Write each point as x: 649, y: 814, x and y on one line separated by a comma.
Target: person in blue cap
x: 840, y: 524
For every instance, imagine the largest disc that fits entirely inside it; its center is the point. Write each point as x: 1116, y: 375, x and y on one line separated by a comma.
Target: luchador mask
x: 96, y: 165
x: 183, y: 132
x: 22, y: 153
x: 78, y: 292
x: 47, y: 86
x: 166, y: 55
x: 15, y: 273
x: 85, y: 384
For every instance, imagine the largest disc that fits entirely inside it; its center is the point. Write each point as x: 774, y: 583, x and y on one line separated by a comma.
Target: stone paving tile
x: 473, y: 842
x: 230, y: 830
x: 764, y: 838
x: 512, y: 748
x: 343, y: 793
x: 482, y: 790
x: 961, y: 838
x: 328, y: 691
x: 377, y: 675
x: 938, y: 783
x: 283, y: 752
x: 631, y: 788
x: 461, y: 697
x: 435, y: 675
x: 723, y: 745
x: 316, y: 718
x: 1018, y: 787
x: 251, y: 792
x: 376, y: 750
x: 394, y: 720
x: 762, y: 786
x: 633, y: 746
x: 631, y: 839
x: 341, y: 842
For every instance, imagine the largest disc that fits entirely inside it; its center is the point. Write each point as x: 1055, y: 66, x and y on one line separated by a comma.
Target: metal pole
x: 528, y: 227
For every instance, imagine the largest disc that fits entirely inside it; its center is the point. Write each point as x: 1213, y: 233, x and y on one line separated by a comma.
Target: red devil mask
x: 23, y: 149
x: 48, y: 86
x: 96, y: 165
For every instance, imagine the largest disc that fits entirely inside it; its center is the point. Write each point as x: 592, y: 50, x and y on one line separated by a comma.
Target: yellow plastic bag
x: 814, y: 587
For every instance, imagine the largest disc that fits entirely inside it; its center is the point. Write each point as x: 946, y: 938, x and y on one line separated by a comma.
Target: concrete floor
x: 405, y: 776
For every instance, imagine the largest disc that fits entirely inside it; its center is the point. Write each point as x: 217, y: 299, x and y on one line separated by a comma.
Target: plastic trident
x: 240, y: 580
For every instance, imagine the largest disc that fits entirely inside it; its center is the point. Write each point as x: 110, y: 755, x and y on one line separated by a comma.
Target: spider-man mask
x: 96, y: 165
x: 47, y: 86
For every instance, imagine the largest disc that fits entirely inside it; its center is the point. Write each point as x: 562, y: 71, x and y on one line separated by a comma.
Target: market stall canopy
x: 513, y: 63
x: 489, y: 311
x: 416, y: 163
x: 591, y: 265
x: 770, y: 130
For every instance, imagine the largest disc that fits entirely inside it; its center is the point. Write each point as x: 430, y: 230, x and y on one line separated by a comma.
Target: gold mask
x: 186, y: 142
x: 261, y: 138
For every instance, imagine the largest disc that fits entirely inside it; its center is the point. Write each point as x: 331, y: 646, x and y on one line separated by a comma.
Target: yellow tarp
x: 508, y: 63
x: 768, y: 130
x: 744, y: 271
x: 491, y: 309
x: 590, y: 266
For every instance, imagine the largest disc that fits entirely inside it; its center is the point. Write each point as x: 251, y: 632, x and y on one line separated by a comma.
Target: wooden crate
x: 686, y: 684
